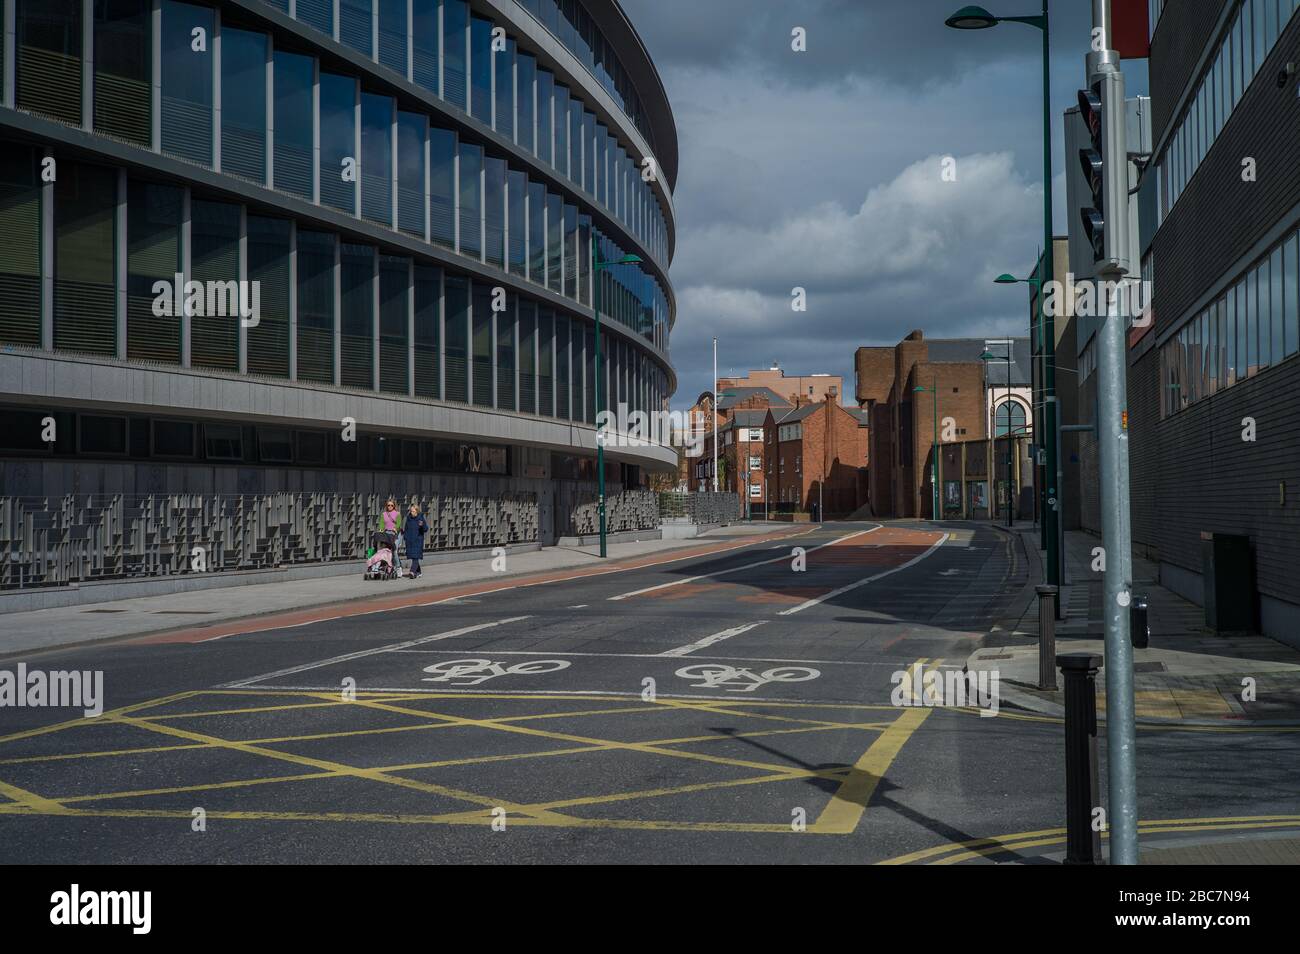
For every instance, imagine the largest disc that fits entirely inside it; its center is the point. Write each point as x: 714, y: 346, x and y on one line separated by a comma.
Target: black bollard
x: 1082, y: 792
x: 1046, y: 636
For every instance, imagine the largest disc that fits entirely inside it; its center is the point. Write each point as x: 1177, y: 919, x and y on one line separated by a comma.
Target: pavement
x: 1186, y: 675
x: 205, y: 610
x: 743, y: 700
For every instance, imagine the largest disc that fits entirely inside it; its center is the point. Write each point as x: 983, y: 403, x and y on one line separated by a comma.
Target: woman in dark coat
x: 414, y: 528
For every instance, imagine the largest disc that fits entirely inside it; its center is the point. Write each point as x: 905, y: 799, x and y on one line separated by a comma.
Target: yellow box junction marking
x: 856, y: 783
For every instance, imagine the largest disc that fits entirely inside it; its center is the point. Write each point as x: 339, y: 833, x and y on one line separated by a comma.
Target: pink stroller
x: 383, y: 564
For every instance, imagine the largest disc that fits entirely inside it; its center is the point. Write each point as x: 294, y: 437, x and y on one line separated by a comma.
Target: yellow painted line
x: 850, y: 800
x: 463, y: 818
x: 722, y: 708
x: 793, y: 775
x: 313, y: 737
x: 443, y: 763
x: 569, y: 737
x: 83, y: 721
x: 25, y: 799
x: 976, y: 847
x: 321, y: 764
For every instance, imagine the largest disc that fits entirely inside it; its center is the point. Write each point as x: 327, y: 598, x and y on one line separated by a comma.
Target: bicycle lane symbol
x: 473, y: 672
x: 739, y: 679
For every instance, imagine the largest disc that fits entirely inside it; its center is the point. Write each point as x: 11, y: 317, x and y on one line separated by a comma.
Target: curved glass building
x: 263, y: 246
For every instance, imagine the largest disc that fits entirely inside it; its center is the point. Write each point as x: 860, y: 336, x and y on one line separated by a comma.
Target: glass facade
x: 333, y: 306
x: 1253, y: 325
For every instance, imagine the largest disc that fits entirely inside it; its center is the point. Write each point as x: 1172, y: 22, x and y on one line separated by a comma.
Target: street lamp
x: 596, y: 266
x: 934, y: 463
x: 986, y: 357
x: 977, y: 18
x: 1047, y: 495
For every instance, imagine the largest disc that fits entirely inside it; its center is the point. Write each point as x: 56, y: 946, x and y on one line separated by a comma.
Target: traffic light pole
x: 1047, y: 326
x: 1105, y: 77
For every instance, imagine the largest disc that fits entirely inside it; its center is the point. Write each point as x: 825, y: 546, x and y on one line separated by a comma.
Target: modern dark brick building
x: 1220, y: 247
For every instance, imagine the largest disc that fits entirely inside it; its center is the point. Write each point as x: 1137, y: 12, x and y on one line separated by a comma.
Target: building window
x: 424, y: 64
x: 355, y: 27
x: 243, y: 89
x: 214, y: 257
x: 482, y: 341
x: 456, y: 330
x: 293, y: 122
x: 1010, y: 419
x: 411, y: 134
x: 20, y: 252
x: 394, y: 313
x: 123, y: 64
x: 471, y: 197
x: 338, y: 142
x: 316, y: 306
x: 442, y: 187
x: 428, y: 330
x: 48, y: 69
x: 268, y: 266
x: 455, y: 30
x: 505, y: 359
x: 357, y: 316
x: 187, y: 81
x: 153, y: 238
x: 377, y: 158
x: 85, y: 209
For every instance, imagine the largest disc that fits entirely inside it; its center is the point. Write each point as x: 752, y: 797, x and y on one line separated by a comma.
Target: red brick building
x: 816, y: 455
x: 898, y: 388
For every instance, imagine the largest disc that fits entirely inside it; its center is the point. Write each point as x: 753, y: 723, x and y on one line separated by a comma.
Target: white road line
x: 737, y: 569
x: 710, y: 640
x: 391, y: 647
x: 618, y: 693
x: 893, y: 664
x: 871, y: 579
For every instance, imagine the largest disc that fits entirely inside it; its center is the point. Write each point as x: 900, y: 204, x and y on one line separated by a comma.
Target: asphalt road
x: 745, y: 706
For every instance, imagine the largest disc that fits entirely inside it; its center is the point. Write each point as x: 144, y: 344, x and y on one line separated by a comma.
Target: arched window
x: 1010, y: 417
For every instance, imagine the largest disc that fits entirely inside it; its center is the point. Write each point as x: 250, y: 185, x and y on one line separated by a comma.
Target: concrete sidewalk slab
x: 59, y: 627
x: 1187, y: 674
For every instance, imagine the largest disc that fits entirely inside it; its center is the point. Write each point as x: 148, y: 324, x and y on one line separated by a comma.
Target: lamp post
x: 1049, y: 495
x: 934, y: 463
x: 986, y: 357
x: 977, y: 18
x: 596, y: 266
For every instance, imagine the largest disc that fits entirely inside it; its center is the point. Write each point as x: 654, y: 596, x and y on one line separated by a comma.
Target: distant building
x: 801, y: 388
x: 788, y: 458
x: 977, y: 396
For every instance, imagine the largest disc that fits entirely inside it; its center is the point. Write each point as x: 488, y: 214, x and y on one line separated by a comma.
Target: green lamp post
x: 596, y: 266
x: 986, y: 357
x: 977, y: 18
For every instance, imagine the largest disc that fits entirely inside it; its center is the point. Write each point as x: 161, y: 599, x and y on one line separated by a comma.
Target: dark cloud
x: 821, y: 170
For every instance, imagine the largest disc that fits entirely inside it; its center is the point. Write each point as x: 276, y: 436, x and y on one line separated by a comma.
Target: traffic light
x: 1105, y: 169
x: 1090, y: 160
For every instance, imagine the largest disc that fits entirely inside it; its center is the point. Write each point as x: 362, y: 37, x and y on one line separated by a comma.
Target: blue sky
x: 822, y: 170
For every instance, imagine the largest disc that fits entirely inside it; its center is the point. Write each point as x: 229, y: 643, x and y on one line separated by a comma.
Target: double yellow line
x: 958, y: 852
